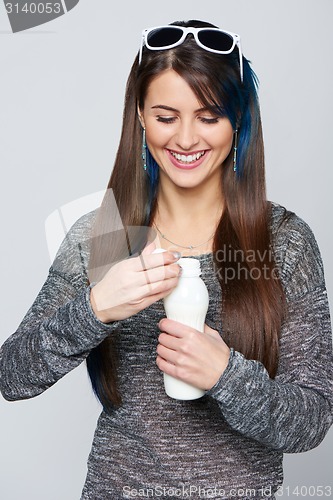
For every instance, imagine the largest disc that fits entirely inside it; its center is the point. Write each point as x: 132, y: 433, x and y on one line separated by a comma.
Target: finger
x: 165, y: 286
x: 150, y: 291
x: 151, y: 299
x: 168, y: 354
x: 167, y: 340
x: 170, y: 368
x: 150, y: 261
x: 164, y: 365
x: 148, y: 250
x: 158, y: 274
x: 175, y: 328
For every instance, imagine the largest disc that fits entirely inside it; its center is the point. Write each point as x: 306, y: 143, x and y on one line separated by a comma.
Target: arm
x: 293, y: 412
x: 55, y: 336
x: 61, y: 328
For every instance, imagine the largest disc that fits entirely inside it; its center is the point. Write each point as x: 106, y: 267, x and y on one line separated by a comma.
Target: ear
x: 140, y: 115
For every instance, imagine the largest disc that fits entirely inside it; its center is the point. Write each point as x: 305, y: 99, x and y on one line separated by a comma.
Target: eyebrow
x: 169, y: 108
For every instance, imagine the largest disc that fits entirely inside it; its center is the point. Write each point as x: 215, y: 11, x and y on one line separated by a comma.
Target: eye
x: 166, y: 119
x: 204, y: 119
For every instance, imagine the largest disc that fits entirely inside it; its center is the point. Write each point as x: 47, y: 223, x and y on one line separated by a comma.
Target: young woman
x: 188, y: 177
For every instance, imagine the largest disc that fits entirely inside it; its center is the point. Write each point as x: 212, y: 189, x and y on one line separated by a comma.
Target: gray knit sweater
x: 227, y: 444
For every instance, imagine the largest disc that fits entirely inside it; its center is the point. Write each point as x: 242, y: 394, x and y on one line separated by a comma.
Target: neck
x: 181, y: 206
x: 186, y: 218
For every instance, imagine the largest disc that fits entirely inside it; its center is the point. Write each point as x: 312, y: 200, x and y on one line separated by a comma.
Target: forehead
x: 170, y: 88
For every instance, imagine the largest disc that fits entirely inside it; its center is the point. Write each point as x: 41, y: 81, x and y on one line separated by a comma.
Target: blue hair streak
x: 152, y: 173
x: 239, y: 103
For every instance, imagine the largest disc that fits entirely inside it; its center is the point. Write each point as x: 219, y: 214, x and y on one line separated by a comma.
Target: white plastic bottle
x: 188, y: 304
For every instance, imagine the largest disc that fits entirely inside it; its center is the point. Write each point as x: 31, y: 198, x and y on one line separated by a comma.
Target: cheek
x: 219, y: 137
x: 226, y: 137
x: 221, y: 142
x: 156, y: 136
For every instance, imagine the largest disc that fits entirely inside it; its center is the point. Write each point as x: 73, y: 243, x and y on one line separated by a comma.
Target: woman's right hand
x: 134, y: 284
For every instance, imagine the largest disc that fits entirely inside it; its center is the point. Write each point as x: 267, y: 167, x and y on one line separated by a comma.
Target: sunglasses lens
x: 163, y: 37
x: 216, y: 40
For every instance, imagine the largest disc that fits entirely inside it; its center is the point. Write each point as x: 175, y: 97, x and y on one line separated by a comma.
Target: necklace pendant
x: 190, y: 247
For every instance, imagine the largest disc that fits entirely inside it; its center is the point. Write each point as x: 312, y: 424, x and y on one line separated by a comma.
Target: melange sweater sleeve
x: 58, y: 331
x: 293, y: 412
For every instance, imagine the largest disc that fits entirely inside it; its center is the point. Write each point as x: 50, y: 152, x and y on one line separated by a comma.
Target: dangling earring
x: 144, y: 149
x: 235, y: 150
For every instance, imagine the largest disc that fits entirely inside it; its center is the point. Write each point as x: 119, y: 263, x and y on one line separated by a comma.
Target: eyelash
x: 208, y: 121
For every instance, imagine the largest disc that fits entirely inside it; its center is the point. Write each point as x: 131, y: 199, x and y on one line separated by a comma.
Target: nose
x: 186, y: 137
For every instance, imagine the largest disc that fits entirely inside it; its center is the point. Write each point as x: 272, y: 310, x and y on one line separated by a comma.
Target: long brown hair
x: 253, y: 298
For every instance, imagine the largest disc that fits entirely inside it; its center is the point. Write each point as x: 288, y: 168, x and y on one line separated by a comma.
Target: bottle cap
x: 159, y: 250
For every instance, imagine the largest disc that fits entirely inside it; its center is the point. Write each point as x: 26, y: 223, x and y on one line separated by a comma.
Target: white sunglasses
x: 211, y: 39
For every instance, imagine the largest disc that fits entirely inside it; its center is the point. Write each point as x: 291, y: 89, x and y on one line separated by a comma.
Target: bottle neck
x: 190, y: 267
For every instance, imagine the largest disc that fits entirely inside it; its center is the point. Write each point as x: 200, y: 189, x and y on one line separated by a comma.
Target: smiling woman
x: 189, y: 176
x: 185, y: 138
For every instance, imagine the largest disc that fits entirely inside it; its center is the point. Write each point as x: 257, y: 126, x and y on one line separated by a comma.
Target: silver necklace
x: 189, y: 247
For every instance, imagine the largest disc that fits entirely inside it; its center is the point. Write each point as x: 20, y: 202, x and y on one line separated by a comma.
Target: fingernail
x: 177, y: 255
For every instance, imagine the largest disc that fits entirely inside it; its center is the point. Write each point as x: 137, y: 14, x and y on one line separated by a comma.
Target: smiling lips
x: 189, y: 161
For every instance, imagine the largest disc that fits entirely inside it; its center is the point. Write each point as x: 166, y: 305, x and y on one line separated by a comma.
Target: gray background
x: 61, y: 92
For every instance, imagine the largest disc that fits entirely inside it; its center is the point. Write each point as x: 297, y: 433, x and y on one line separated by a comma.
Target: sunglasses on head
x: 210, y: 39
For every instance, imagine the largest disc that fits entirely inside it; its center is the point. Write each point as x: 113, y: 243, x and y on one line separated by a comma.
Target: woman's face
x: 188, y: 142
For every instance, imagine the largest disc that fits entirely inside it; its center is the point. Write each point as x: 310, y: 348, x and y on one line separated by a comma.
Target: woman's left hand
x: 191, y: 356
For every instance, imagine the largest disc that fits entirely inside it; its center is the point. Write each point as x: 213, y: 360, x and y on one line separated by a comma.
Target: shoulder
x: 73, y: 254
x: 81, y: 229
x: 295, y: 249
x: 289, y: 229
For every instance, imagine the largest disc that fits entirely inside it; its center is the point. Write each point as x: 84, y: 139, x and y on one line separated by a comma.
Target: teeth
x: 189, y: 158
